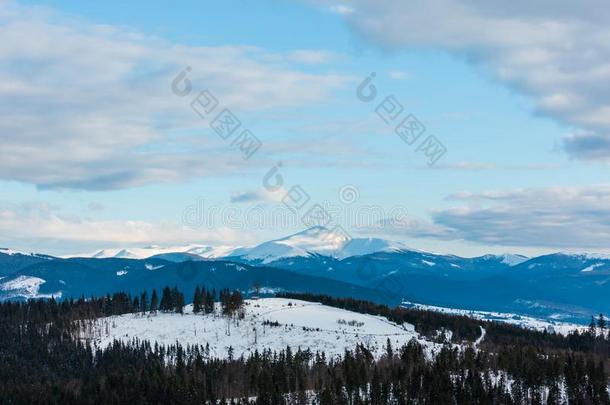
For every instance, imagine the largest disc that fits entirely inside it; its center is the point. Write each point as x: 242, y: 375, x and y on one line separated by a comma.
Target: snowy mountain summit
x: 200, y: 251
x: 322, y: 241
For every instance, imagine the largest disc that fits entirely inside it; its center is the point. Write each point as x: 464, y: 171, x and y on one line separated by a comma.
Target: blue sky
x: 98, y: 152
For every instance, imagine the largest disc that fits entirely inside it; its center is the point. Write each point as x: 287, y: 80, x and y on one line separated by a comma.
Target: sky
x: 458, y: 126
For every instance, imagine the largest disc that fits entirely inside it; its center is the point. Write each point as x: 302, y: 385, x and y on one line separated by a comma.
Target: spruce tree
x: 167, y: 302
x: 601, y: 324
x: 592, y: 327
x: 144, y: 302
x: 197, y: 300
x: 154, y: 302
x: 179, y: 302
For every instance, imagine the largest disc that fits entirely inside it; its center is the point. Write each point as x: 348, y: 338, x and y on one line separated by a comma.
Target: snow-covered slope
x: 300, y: 324
x: 313, y: 240
x: 12, y: 252
x: 25, y: 287
x: 526, y: 322
x: 365, y: 246
x: 513, y: 259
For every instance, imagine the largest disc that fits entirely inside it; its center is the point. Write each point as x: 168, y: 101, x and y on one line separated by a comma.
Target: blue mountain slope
x: 94, y: 277
x: 570, y: 286
x: 9, y: 263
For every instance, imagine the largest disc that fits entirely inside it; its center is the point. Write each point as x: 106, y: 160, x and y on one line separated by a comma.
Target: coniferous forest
x: 43, y: 362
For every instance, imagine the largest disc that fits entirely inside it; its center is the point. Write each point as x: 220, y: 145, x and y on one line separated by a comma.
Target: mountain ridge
x: 314, y: 240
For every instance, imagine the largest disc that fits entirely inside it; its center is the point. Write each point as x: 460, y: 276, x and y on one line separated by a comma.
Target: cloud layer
x: 45, y: 228
x: 90, y: 107
x: 558, y: 52
x: 556, y: 218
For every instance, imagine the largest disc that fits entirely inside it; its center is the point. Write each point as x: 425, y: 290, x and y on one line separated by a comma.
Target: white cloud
x: 398, y: 75
x: 258, y: 196
x: 556, y: 218
x: 312, y: 56
x: 558, y: 52
x: 467, y: 166
x: 45, y: 228
x: 341, y: 9
x: 89, y: 106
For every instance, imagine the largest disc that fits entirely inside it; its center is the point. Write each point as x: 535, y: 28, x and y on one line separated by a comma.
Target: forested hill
x: 45, y: 360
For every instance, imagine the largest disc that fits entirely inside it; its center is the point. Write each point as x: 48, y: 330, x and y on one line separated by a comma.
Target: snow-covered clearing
x: 592, y: 267
x: 25, y: 287
x: 302, y: 324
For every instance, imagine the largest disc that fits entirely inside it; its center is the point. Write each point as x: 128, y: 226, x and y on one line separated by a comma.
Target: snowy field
x: 513, y: 319
x: 302, y: 324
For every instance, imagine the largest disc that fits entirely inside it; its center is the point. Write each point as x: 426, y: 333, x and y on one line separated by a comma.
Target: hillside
x: 269, y: 323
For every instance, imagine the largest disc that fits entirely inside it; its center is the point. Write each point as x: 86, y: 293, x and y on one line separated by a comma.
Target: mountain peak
x: 320, y: 240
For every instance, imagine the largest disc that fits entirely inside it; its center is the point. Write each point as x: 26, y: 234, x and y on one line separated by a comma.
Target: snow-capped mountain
x: 513, y: 259
x: 570, y: 262
x: 507, y: 258
x: 318, y: 240
x: 12, y: 252
x: 202, y: 251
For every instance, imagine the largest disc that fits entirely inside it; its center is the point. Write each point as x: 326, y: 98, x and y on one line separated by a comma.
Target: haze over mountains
x: 557, y: 286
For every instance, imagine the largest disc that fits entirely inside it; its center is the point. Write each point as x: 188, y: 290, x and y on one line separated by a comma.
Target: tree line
x: 42, y: 362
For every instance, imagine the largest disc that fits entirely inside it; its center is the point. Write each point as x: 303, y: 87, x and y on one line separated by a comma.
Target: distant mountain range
x: 558, y: 286
x: 316, y: 240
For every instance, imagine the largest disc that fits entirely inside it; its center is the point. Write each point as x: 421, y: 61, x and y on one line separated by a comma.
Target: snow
x: 121, y: 272
x: 152, y: 267
x: 513, y: 260
x: 322, y: 241
x: 25, y: 287
x: 426, y: 262
x: 597, y: 256
x: 22, y: 282
x: 12, y: 252
x: 591, y: 268
x: 303, y: 325
x: 365, y: 246
x: 509, y: 259
x: 587, y: 256
x: 478, y: 342
x: 313, y: 240
x: 527, y: 322
x: 204, y: 251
